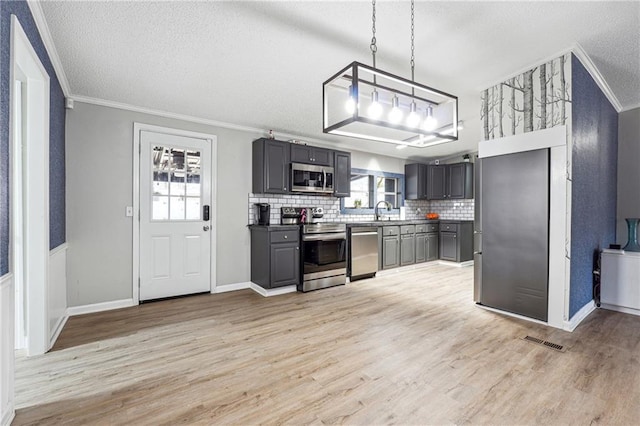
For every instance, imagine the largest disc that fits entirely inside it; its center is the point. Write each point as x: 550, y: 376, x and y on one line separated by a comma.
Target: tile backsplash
x: 414, y: 209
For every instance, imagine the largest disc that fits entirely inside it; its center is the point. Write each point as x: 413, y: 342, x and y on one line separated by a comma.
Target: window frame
x: 375, y: 174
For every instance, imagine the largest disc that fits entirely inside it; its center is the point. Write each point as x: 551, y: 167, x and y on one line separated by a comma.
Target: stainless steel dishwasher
x: 364, y: 252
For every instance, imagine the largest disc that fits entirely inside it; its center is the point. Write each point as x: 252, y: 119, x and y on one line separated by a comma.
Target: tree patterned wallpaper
x: 536, y: 99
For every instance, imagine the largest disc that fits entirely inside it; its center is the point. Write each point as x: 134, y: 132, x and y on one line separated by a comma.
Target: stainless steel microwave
x: 311, y: 178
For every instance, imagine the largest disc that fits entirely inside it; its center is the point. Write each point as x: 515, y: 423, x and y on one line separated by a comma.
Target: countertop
x: 405, y: 222
x: 276, y: 226
x: 373, y: 223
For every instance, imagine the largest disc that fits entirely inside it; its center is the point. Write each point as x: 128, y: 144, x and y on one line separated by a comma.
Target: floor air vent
x: 544, y: 343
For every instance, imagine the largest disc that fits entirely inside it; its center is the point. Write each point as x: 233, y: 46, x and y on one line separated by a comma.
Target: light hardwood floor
x: 405, y: 348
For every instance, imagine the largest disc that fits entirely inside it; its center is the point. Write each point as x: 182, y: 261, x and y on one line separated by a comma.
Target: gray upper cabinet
x: 436, y: 182
x: 342, y: 174
x: 450, y: 181
x: 460, y: 180
x: 311, y: 155
x: 270, y: 167
x: 415, y: 181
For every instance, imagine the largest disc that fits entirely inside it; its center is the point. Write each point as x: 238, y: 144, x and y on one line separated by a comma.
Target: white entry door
x: 175, y: 215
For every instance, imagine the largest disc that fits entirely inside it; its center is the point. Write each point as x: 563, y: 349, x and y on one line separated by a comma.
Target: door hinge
x: 138, y: 215
x: 138, y: 283
x: 139, y: 148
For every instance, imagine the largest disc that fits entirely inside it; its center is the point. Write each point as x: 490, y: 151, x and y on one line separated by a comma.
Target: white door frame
x: 33, y: 257
x: 137, y: 129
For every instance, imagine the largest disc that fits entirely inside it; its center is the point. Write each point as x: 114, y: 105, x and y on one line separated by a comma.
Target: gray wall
x: 99, y: 187
x: 628, y: 170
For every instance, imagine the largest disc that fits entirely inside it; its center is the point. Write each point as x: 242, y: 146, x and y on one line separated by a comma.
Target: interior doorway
x: 29, y: 194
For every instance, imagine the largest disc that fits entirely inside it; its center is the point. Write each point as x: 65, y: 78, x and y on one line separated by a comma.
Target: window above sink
x: 368, y: 187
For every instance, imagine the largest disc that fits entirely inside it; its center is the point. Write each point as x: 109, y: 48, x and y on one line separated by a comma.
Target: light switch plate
x: 128, y: 211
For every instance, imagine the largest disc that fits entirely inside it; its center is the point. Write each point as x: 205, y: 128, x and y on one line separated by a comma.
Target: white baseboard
x: 7, y: 302
x: 57, y: 330
x: 268, y: 292
x: 231, y: 287
x: 99, y: 307
x: 622, y: 309
x: 580, y: 316
x: 385, y: 272
x: 456, y: 264
x: 8, y: 415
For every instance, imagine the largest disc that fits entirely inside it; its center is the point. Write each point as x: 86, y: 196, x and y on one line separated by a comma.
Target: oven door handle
x: 325, y: 237
x: 324, y: 180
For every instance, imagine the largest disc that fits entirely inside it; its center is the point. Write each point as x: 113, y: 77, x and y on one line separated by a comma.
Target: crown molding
x: 222, y: 124
x: 593, y: 71
x: 630, y: 107
x: 175, y: 116
x: 586, y: 62
x: 45, y: 35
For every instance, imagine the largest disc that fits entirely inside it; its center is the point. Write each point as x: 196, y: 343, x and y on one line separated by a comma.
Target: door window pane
x: 176, y: 208
x: 176, y: 186
x: 193, y: 208
x: 193, y: 185
x: 160, y: 183
x: 160, y: 208
x: 177, y: 159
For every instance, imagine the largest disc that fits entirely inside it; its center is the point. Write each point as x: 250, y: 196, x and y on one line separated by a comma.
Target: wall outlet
x: 128, y: 211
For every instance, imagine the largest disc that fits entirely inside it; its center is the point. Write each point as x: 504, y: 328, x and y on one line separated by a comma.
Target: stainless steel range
x: 324, y: 255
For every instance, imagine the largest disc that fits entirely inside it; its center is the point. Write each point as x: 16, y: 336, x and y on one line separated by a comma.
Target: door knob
x: 205, y: 228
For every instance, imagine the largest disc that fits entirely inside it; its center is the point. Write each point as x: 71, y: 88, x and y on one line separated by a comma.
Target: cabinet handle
x: 297, y: 248
x: 286, y: 236
x: 285, y: 188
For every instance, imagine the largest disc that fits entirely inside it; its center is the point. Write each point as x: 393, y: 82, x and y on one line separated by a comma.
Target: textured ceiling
x: 262, y: 64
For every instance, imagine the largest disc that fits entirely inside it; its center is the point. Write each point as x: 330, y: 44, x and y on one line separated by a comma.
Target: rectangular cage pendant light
x: 364, y: 102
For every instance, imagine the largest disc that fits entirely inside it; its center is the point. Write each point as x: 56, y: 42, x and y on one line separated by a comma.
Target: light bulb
x: 395, y: 115
x: 375, y: 109
x: 350, y: 105
x: 413, y: 119
x: 430, y: 123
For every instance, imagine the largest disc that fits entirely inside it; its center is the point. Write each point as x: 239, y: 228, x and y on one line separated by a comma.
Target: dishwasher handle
x: 358, y: 234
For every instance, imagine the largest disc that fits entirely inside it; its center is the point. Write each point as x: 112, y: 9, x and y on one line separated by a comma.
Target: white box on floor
x: 620, y: 281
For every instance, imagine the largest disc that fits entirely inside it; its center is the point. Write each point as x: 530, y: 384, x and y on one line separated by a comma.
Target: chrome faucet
x: 387, y: 205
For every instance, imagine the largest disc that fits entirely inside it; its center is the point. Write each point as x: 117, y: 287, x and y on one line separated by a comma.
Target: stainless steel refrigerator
x: 512, y: 233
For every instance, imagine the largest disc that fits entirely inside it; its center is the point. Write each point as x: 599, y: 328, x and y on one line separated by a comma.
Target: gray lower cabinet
x: 427, y: 242
x: 448, y: 246
x: 432, y: 243
x: 275, y: 256
x: 390, y: 247
x: 456, y: 241
x: 407, y: 245
x: 421, y: 247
